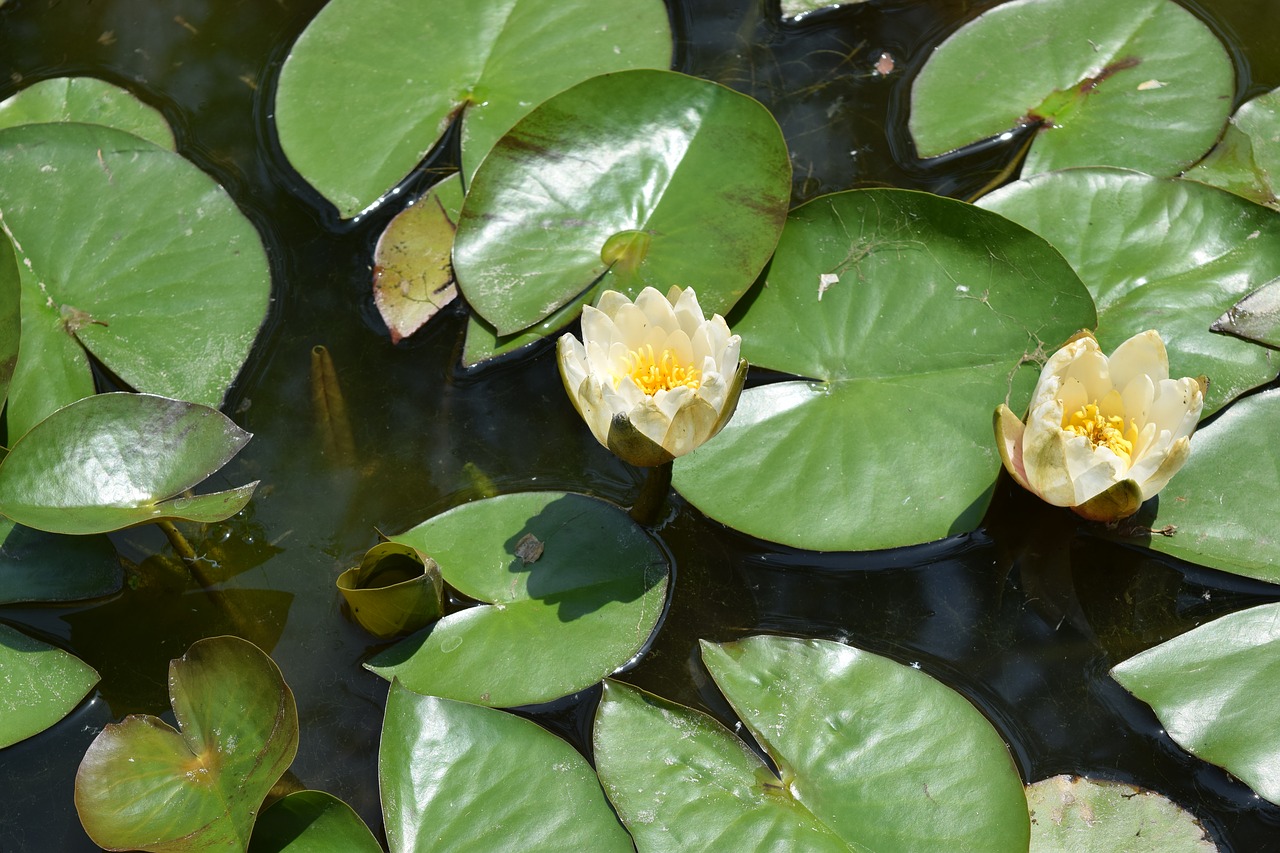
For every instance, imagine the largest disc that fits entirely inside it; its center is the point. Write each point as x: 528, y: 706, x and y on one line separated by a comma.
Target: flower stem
x: 653, y: 494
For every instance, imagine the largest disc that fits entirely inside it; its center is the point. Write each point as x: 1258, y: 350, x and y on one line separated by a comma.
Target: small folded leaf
x: 145, y: 786
x: 114, y: 460
x: 395, y: 589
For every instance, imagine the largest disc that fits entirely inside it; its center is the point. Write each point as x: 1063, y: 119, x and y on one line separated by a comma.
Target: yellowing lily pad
x: 911, y: 316
x: 1072, y: 814
x: 1140, y: 84
x: 584, y: 608
x: 1159, y: 254
x: 371, y: 85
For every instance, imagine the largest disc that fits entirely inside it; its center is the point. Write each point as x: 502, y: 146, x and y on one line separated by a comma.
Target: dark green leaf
x: 1141, y: 84
x: 916, y: 313
x: 142, y: 785
x: 10, y: 314
x: 38, y: 566
x: 311, y: 822
x: 582, y: 610
x: 115, y: 460
x: 698, y: 169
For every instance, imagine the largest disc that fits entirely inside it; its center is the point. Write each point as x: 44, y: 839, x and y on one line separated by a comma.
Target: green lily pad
x: 412, y: 271
x: 311, y: 822
x: 114, y: 460
x: 144, y: 786
x: 39, y: 566
x: 395, y: 589
x: 1219, y: 510
x: 1071, y: 814
x: 1159, y: 254
x: 873, y: 755
x: 1215, y: 690
x: 913, y: 314
x: 1140, y: 84
x: 132, y: 253
x: 456, y: 776
x: 400, y: 70
x: 483, y: 343
x: 10, y: 315
x: 1247, y: 159
x: 578, y: 612
x: 560, y: 206
x: 1256, y: 317
x: 87, y: 100
x: 41, y: 685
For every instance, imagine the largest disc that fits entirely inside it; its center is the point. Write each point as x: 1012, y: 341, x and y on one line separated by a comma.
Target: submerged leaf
x: 329, y: 409
x: 144, y: 786
x: 114, y: 460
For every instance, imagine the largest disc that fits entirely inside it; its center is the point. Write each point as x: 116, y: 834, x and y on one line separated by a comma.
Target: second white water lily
x: 1102, y: 434
x: 653, y: 379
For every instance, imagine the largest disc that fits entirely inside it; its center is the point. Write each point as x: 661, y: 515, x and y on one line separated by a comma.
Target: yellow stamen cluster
x: 661, y: 373
x: 1101, y: 431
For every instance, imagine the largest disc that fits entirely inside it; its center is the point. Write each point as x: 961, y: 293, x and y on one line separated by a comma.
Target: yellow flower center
x: 1101, y: 431
x: 661, y: 373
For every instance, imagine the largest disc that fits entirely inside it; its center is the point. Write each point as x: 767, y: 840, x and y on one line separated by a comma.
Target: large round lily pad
x: 115, y: 460
x: 400, y: 70
x: 144, y: 786
x: 688, y: 185
x: 1159, y: 254
x: 1215, y: 690
x: 873, y: 755
x: 88, y: 100
x: 40, y: 685
x: 456, y: 776
x: 129, y: 251
x: 570, y: 581
x: 1141, y: 84
x: 911, y: 315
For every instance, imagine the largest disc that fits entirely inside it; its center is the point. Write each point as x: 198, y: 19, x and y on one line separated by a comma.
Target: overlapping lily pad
x: 1141, y: 84
x: 40, y: 685
x: 1247, y: 159
x: 88, y: 100
x: 10, y: 315
x: 1256, y: 317
x: 456, y: 776
x: 1159, y: 254
x: 114, y: 460
x: 144, y: 786
x: 130, y: 252
x: 400, y: 70
x: 873, y: 755
x: 39, y: 566
x: 687, y: 186
x: 311, y: 822
x: 911, y: 315
x: 1215, y: 690
x: 1220, y: 509
x: 1072, y: 814
x: 577, y: 612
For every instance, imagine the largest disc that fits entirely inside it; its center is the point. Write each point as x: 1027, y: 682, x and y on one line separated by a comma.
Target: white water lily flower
x: 1102, y: 434
x: 653, y: 379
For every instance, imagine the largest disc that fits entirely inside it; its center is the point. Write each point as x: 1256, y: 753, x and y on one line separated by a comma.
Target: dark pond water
x: 1023, y: 617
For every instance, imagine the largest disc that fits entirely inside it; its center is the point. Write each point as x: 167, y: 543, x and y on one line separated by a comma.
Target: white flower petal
x: 610, y: 301
x: 1092, y: 470
x: 1091, y: 369
x: 632, y: 325
x: 1143, y: 354
x: 597, y: 326
x: 650, y: 420
x: 1138, y: 394
x: 657, y: 309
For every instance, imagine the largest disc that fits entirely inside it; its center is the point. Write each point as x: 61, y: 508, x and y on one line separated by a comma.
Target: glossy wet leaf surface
x: 1246, y: 161
x: 39, y: 685
x: 455, y: 776
x: 874, y: 755
x: 39, y: 566
x: 88, y: 100
x: 1140, y: 84
x: 1215, y: 689
x: 400, y: 70
x: 907, y: 351
x: 412, y: 273
x: 144, y: 785
x: 128, y: 251
x: 1072, y: 814
x: 1159, y: 254
x: 10, y: 315
x: 311, y: 822
x: 1221, y: 505
x: 115, y: 460
x: 559, y: 206
x: 582, y: 610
